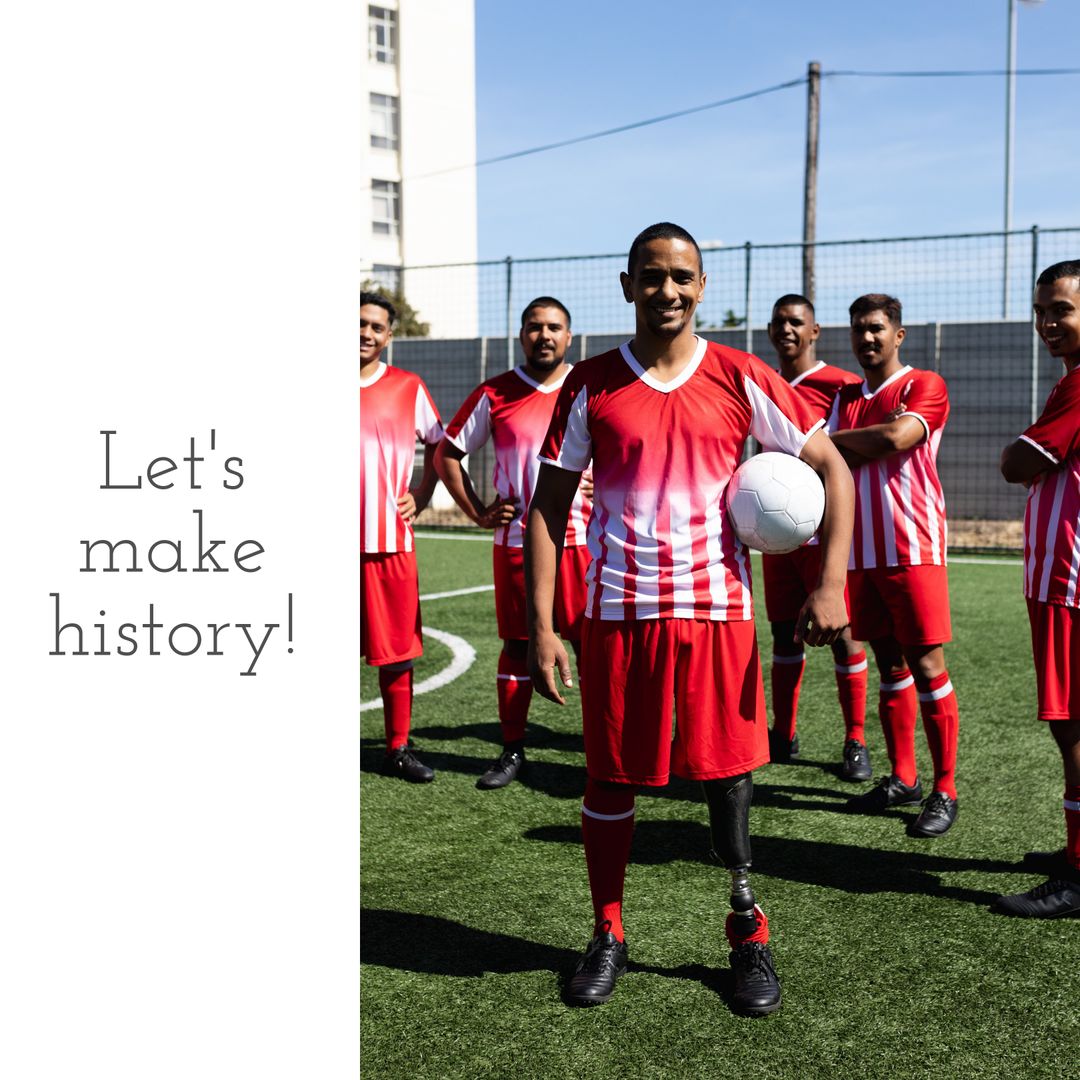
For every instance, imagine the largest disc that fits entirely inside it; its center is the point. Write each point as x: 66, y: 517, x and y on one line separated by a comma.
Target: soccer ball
x: 775, y: 501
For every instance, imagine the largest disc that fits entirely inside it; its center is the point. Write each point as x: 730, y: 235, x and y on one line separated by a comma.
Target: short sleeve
x: 568, y: 443
x: 1057, y: 431
x: 780, y: 419
x: 428, y: 425
x: 927, y: 399
x: 471, y: 426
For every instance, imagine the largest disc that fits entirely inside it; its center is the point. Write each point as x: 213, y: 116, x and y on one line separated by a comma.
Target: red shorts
x: 389, y: 608
x: 908, y: 603
x: 1055, y: 645
x: 633, y: 673
x: 570, y: 591
x: 789, y: 580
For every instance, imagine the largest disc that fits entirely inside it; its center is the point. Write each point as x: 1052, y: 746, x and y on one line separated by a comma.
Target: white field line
x: 483, y: 538
x: 457, y: 592
x: 462, y: 658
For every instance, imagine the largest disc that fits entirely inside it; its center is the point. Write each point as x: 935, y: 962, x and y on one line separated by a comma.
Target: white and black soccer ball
x: 775, y: 501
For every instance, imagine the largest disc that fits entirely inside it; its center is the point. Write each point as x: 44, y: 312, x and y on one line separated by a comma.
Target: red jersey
x: 819, y: 386
x: 515, y: 411
x: 662, y: 455
x: 1052, y: 517
x: 899, y: 505
x: 395, y: 410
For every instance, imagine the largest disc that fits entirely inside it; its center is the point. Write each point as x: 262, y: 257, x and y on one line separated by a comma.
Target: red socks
x: 851, y: 689
x: 896, y: 707
x: 515, y: 692
x: 396, y: 687
x: 607, y: 827
x: 941, y: 720
x: 760, y: 933
x: 787, y: 673
x: 1072, y: 825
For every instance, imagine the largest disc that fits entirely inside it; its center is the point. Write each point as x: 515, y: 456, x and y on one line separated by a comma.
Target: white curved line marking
x: 456, y: 592
x: 463, y: 656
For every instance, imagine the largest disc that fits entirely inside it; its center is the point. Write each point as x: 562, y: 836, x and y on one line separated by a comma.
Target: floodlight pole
x: 813, y: 128
x: 1010, y: 109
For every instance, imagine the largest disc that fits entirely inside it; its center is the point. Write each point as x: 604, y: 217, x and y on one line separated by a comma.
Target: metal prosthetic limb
x: 729, y: 825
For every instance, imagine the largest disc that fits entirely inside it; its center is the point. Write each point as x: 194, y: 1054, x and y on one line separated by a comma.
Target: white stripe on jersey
x: 644, y: 580
x: 889, y: 509
x: 575, y: 453
x: 1051, y: 535
x: 476, y: 430
x: 370, y: 466
x: 715, y: 524
x: 682, y: 554
x: 866, y: 517
x: 1042, y: 449
x: 770, y: 426
x: 1074, y: 566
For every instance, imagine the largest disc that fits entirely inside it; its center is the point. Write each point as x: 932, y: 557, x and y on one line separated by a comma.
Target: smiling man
x: 1046, y: 458
x: 668, y: 631
x: 514, y: 409
x: 889, y: 428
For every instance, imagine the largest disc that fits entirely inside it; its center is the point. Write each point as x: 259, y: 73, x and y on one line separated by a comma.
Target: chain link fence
x: 967, y: 310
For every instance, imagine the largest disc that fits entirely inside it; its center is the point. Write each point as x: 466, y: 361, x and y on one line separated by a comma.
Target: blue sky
x: 897, y: 157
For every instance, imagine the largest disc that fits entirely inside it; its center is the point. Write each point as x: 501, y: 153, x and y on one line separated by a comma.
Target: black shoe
x: 593, y: 981
x: 890, y: 791
x: 856, y: 763
x: 502, y: 772
x: 1050, y: 900
x: 757, y: 989
x: 405, y: 765
x: 780, y: 750
x: 936, y: 816
x: 1051, y: 863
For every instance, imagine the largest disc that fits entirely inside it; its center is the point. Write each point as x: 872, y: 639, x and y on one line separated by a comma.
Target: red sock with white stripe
x: 898, y: 712
x: 851, y: 689
x: 941, y: 720
x: 396, y: 688
x: 787, y: 673
x: 515, y: 692
x: 1072, y: 825
x: 607, y: 828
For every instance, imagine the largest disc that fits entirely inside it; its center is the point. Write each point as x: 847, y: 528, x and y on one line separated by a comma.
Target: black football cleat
x: 405, y: 765
x: 856, y: 764
x: 757, y: 989
x: 593, y: 981
x: 936, y: 816
x: 503, y: 771
x: 1050, y: 863
x: 782, y: 750
x: 890, y: 791
x: 1055, y: 899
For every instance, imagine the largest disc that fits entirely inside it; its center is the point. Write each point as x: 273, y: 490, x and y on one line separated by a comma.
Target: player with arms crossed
x: 669, y: 620
x: 889, y: 428
x: 395, y: 410
x: 514, y: 410
x: 789, y: 579
x: 1047, y: 459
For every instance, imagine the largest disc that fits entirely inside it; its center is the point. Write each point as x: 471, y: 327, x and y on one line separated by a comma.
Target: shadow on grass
x: 537, y: 735
x: 434, y: 946
x: 845, y: 867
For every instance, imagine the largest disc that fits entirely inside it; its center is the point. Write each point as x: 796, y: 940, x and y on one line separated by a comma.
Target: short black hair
x: 1069, y: 268
x: 378, y: 299
x: 794, y: 300
x: 545, y: 301
x: 662, y: 230
x: 878, y: 301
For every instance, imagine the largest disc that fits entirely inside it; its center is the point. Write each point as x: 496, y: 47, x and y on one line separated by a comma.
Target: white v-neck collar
x: 866, y: 392
x: 656, y: 384
x: 810, y: 371
x: 550, y: 388
x: 380, y: 371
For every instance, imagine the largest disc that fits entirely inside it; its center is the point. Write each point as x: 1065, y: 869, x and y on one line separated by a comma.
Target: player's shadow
x: 432, y: 946
x: 539, y: 736
x: 845, y: 867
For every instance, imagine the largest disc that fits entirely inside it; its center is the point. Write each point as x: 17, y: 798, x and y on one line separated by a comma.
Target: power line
x: 976, y: 73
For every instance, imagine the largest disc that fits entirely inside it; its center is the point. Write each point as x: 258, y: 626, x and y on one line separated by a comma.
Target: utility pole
x: 1010, y: 108
x: 813, y: 127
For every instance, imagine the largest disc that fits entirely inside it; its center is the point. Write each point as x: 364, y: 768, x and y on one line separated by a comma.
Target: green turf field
x: 475, y: 903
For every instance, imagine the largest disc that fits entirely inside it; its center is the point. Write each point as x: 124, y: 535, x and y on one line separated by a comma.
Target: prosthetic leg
x: 757, y: 990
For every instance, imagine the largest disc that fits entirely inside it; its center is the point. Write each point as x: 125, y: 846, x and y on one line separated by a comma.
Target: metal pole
x: 813, y: 128
x: 1034, y: 335
x: 1010, y: 107
x: 509, y: 313
x: 748, y: 247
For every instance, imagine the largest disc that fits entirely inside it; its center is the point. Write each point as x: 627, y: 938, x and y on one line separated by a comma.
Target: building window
x: 386, y: 207
x: 384, y: 122
x: 382, y: 35
x: 389, y: 277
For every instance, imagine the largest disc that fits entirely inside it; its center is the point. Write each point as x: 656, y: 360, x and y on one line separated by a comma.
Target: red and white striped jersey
x: 395, y: 410
x: 515, y: 412
x: 662, y: 455
x: 819, y: 386
x: 1052, y: 517
x: 899, y: 505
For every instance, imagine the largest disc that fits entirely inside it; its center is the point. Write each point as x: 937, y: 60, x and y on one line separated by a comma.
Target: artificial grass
x: 476, y: 903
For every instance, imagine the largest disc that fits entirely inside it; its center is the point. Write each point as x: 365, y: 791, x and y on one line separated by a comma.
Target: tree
x: 732, y: 320
x: 409, y: 323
